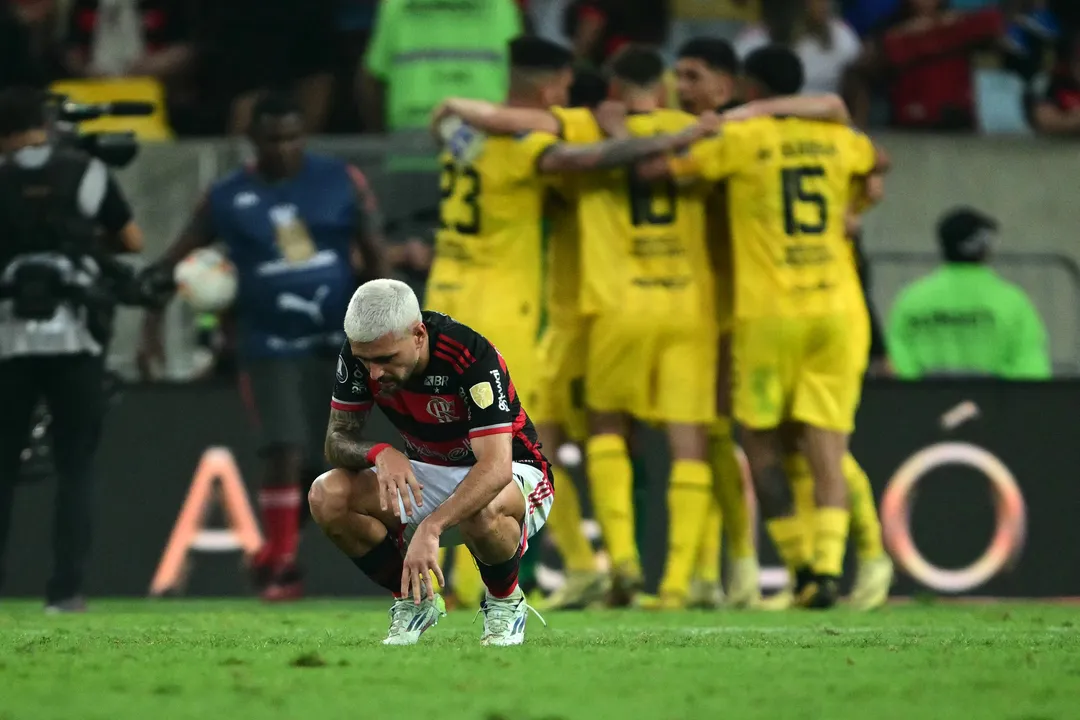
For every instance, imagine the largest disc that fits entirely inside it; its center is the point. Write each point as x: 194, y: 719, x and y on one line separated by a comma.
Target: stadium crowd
x: 369, y: 66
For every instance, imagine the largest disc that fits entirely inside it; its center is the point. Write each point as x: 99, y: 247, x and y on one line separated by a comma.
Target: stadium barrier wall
x: 1019, y: 180
x: 991, y: 464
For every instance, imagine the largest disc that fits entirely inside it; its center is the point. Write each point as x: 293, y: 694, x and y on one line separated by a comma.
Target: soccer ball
x: 206, y: 280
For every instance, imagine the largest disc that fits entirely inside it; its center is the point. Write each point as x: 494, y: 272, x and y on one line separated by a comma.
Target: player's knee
x: 609, y: 423
x: 688, y: 442
x: 329, y: 496
x: 483, y: 523
x: 492, y: 518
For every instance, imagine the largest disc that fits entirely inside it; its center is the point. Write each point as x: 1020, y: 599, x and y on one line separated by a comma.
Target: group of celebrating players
x: 687, y: 268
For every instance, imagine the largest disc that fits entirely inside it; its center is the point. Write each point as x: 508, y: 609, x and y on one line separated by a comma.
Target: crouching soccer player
x: 472, y: 472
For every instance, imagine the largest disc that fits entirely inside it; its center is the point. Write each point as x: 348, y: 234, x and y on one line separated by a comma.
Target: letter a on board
x: 217, y: 479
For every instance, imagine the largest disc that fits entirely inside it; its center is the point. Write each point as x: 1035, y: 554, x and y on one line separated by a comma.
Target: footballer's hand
x: 444, y: 110
x: 709, y: 123
x: 852, y: 224
x: 421, y: 562
x: 396, y: 480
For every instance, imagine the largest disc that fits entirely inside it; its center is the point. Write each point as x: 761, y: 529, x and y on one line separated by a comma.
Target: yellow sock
x: 707, y: 567
x: 611, y: 485
x: 830, y: 540
x: 564, y: 523
x: 802, y: 489
x: 727, y: 479
x: 789, y: 536
x: 689, y: 493
x: 865, y: 525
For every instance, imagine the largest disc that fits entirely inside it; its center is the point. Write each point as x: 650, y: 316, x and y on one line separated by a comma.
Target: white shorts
x: 440, y: 482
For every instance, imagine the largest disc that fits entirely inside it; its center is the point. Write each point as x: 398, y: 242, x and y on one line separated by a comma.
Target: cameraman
x: 57, y: 205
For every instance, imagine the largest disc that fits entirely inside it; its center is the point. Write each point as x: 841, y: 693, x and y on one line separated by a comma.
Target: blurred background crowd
x: 1000, y: 66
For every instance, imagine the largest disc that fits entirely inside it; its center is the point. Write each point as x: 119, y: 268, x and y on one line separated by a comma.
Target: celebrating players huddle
x: 696, y: 270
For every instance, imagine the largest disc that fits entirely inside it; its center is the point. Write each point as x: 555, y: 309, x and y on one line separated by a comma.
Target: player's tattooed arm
x: 564, y: 157
x: 496, y: 119
x: 827, y: 107
x: 345, y: 447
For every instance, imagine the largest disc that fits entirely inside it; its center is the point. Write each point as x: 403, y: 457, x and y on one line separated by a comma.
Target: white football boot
x: 504, y: 619
x: 408, y: 621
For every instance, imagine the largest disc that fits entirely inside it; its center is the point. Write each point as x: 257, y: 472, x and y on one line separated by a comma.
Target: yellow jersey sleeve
x: 527, y: 151
x: 578, y: 125
x: 712, y: 159
x: 862, y: 152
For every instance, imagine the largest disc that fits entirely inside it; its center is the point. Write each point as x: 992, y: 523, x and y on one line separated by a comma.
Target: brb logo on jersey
x: 441, y: 409
x: 503, y: 404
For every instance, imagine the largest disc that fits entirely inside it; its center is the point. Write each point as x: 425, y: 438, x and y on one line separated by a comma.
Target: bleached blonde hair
x: 381, y: 307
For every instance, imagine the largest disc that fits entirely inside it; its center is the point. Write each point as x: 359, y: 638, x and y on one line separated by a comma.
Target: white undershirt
x: 824, y: 68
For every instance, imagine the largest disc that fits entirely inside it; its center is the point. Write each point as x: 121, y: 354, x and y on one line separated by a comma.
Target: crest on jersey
x: 441, y: 409
x: 342, y: 371
x: 482, y: 395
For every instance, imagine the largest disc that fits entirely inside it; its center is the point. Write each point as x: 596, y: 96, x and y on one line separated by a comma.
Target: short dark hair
x: 638, y: 65
x: 273, y: 105
x: 21, y: 109
x: 777, y: 69
x: 717, y: 53
x: 536, y: 54
x: 589, y: 89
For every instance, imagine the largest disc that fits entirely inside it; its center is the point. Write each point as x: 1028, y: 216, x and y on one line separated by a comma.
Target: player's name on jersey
x: 803, y: 148
x: 663, y: 246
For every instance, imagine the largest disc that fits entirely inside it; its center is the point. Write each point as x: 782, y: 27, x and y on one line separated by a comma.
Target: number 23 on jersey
x: 459, y: 188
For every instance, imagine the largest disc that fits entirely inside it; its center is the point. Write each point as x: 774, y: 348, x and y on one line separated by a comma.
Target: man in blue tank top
x: 299, y: 227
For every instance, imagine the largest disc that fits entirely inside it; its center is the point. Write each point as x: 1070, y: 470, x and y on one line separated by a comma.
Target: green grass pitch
x: 168, y: 660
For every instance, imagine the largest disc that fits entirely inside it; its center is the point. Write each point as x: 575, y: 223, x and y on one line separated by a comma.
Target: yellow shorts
x: 803, y: 369
x: 512, y: 326
x: 651, y: 370
x: 560, y: 398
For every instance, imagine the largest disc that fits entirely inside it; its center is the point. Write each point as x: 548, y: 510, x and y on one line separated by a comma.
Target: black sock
x: 803, y: 577
x: 502, y: 579
x: 383, y: 564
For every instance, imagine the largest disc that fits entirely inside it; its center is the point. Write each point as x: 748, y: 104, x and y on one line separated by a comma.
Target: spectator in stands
x: 128, y: 38
x: 826, y: 44
x: 285, y: 45
x: 423, y: 51
x: 964, y: 319
x: 1058, y: 112
x: 721, y: 19
x: 926, y: 56
x: 598, y: 28
x: 137, y: 38
x: 22, y: 57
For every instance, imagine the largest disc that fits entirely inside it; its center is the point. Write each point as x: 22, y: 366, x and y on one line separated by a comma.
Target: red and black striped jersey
x: 464, y: 392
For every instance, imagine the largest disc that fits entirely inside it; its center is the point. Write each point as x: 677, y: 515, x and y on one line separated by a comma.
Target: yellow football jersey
x: 564, y: 257
x: 643, y: 244
x: 491, y: 221
x: 789, y: 189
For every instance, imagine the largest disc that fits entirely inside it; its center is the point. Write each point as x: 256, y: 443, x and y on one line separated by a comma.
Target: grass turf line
x: 208, y: 659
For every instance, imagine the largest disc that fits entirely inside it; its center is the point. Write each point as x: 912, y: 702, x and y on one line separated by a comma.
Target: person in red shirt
x: 925, y: 57
x: 1058, y: 112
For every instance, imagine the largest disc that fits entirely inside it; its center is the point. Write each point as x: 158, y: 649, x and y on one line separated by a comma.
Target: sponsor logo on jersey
x: 482, y: 395
x: 436, y: 381
x: 245, y: 200
x: 441, y: 409
x: 503, y: 404
x: 342, y: 370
